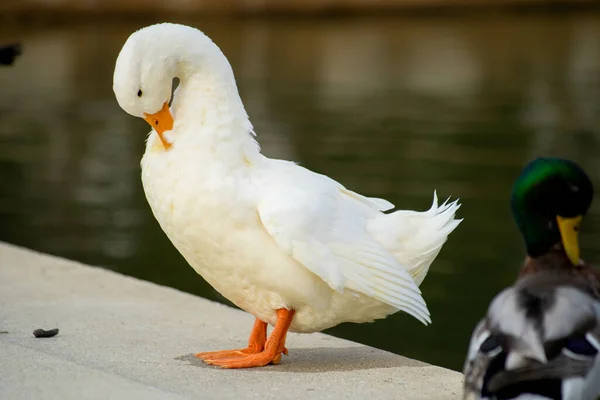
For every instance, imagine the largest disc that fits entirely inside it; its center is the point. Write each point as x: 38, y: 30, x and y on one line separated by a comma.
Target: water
x: 392, y: 108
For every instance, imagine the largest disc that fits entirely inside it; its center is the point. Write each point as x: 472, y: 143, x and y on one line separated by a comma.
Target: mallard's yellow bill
x: 569, y: 233
x: 161, y: 122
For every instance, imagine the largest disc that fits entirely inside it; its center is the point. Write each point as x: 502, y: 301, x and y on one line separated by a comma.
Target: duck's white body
x: 269, y: 234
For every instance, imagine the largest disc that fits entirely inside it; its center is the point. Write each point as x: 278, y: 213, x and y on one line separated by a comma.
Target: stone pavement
x: 123, y: 338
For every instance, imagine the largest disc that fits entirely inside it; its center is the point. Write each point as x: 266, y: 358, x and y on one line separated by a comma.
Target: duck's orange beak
x: 161, y: 122
x: 569, y: 234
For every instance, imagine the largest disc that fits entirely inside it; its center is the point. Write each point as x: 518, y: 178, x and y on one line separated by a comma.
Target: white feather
x: 324, y: 227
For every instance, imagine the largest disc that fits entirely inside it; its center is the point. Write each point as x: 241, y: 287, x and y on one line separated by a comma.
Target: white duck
x: 294, y: 248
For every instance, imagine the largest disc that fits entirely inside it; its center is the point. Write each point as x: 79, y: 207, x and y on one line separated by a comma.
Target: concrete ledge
x: 122, y: 338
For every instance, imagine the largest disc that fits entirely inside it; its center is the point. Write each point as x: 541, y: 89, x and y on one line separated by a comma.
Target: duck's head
x: 144, y: 74
x: 549, y: 200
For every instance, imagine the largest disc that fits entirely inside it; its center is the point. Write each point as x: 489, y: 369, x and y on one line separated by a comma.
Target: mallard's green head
x: 549, y: 200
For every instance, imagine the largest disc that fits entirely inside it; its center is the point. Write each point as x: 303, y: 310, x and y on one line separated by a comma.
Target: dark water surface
x: 392, y: 108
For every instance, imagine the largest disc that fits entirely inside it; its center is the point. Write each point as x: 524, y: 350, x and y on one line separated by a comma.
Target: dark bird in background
x: 540, y: 338
x: 549, y: 202
x: 9, y: 53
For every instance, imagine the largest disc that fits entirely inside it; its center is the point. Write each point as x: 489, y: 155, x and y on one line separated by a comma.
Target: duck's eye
x: 490, y: 345
x: 140, y: 93
x: 581, y: 346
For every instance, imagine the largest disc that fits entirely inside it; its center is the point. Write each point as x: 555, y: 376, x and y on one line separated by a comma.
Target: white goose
x: 294, y: 248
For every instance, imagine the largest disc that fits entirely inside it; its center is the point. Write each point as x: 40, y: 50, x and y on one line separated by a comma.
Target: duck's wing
x: 322, y: 226
x: 540, y: 337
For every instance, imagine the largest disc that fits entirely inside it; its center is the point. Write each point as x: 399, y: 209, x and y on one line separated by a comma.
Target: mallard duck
x: 540, y: 337
x: 549, y: 200
x: 294, y: 248
x: 539, y: 340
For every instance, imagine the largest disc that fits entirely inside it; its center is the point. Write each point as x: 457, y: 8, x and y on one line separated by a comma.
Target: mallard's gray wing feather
x: 542, y: 328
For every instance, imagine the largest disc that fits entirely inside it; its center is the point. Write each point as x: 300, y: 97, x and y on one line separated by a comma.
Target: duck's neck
x: 208, y: 112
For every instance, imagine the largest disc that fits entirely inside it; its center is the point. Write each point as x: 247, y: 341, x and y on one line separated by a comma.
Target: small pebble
x: 40, y: 333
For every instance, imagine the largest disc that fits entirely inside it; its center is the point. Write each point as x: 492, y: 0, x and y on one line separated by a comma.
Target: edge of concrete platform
x: 122, y: 337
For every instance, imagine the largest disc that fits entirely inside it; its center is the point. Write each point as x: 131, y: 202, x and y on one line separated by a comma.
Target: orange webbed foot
x: 256, y: 344
x: 216, y: 355
x: 258, y: 353
x: 253, y: 360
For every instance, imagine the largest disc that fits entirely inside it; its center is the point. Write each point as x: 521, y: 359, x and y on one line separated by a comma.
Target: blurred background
x: 392, y: 98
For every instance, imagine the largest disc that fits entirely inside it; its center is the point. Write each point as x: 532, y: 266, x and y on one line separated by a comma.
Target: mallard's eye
x: 581, y: 346
x: 139, y: 93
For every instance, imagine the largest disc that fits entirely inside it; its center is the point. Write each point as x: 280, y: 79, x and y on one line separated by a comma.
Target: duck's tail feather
x: 415, y: 238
